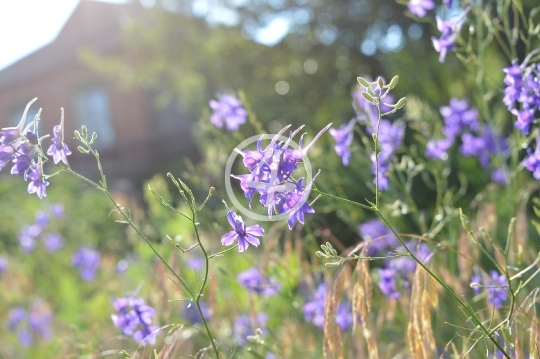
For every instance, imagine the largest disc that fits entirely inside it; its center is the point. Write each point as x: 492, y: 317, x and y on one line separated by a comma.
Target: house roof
x: 92, y: 23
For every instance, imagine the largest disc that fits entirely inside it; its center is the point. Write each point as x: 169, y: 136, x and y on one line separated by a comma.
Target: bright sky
x: 27, y: 25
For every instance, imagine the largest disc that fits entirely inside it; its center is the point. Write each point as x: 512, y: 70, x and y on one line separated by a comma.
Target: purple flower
x: 437, y: 149
x: 271, y: 171
x: 448, y: 3
x: 245, y: 235
x: 42, y: 219
x: 343, y: 137
x: 387, y: 283
x: 6, y: 155
x: 245, y: 326
x: 495, y: 287
x: 87, y: 261
x: 134, y: 318
x: 532, y: 162
x: 57, y: 210
x: 255, y: 282
x: 420, y: 7
x: 53, y: 242
x: 459, y: 116
x: 499, y: 176
x: 122, y: 266
x: 314, y: 310
x: 195, y: 263
x: 449, y: 32
x: 192, y: 315
x: 228, y: 109
x: 484, y: 147
x: 378, y: 236
x: 27, y: 324
x: 28, y: 236
x: 37, y: 184
x: 3, y: 264
x: 58, y: 149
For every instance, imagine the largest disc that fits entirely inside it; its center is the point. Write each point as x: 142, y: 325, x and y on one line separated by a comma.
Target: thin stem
x: 343, y: 200
x: 465, y: 307
x: 222, y: 252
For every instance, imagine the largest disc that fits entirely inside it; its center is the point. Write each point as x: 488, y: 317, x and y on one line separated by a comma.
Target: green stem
x: 465, y: 307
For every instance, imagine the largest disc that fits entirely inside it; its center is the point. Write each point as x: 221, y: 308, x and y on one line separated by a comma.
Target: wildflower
x: 294, y: 202
x: 449, y: 32
x: 6, y: 155
x: 514, y: 83
x: 485, y: 146
x: 121, y: 266
x: 53, y: 242
x: 343, y: 137
x: 476, y: 283
x: 58, y: 149
x: 499, y: 176
x: 255, y: 282
x: 37, y: 184
x: 420, y: 7
x: 28, y: 236
x: 12, y: 135
x: 314, y: 310
x: 3, y: 264
x: 195, y: 263
x: 437, y: 149
x: 459, y: 116
x: 378, y: 235
x: 494, y: 285
x: 192, y: 315
x: 532, y: 162
x: 228, y: 109
x: 387, y: 283
x: 245, y: 235
x: 87, y: 261
x: 22, y: 159
x: 245, y: 326
x: 57, y: 210
x: 27, y: 325
x: 134, y: 318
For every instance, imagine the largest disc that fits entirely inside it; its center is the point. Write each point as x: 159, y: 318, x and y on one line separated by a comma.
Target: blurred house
x: 134, y: 139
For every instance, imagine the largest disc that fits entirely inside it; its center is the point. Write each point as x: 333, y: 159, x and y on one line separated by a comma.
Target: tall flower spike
x: 58, y: 149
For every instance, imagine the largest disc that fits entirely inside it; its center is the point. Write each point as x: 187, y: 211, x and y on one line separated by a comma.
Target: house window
x: 92, y: 109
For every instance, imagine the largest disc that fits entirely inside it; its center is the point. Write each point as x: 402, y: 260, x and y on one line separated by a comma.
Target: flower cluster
x: 228, y: 109
x: 314, y: 310
x: 28, y: 325
x: 22, y: 146
x: 395, y: 271
x: 390, y: 135
x: 449, y: 32
x: 86, y: 260
x: 245, y: 326
x: 522, y: 93
x: 494, y: 285
x: 270, y: 169
x: 52, y: 240
x: 135, y: 319
x: 479, y: 141
x: 253, y: 281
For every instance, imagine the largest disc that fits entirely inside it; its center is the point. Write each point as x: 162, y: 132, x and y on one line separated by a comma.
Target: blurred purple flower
x: 87, y: 261
x: 314, y: 310
x: 37, y: 184
x: 449, y: 32
x: 134, y: 318
x: 228, y: 109
x: 245, y: 326
x: 245, y: 235
x: 27, y: 237
x: 476, y: 283
x: 3, y: 264
x: 253, y: 281
x: 53, y: 242
x: 57, y: 210
x: 499, y: 176
x: 58, y: 149
x: 495, y: 287
x: 192, y: 315
x: 387, y: 283
x: 6, y: 155
x: 42, y: 219
x: 343, y: 137
x: 485, y: 146
x: 437, y: 149
x: 378, y: 236
x: 532, y: 161
x: 459, y: 116
x: 122, y: 266
x: 26, y: 324
x: 420, y: 7
x: 195, y: 263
